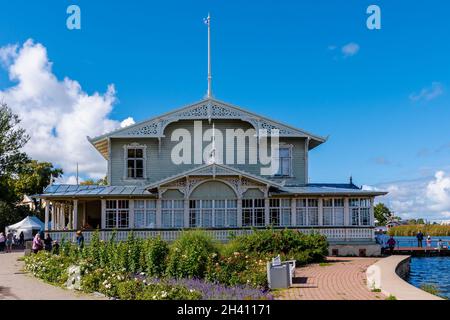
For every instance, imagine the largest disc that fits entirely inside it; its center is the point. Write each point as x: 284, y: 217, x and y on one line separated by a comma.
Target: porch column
x: 239, y: 212
x: 46, y: 203
x: 346, y: 212
x: 103, y: 214
x: 131, y: 214
x: 56, y: 224
x: 266, y: 211
x: 158, y: 213
x: 70, y: 213
x: 75, y: 215
x: 372, y: 212
x: 186, y: 213
x: 320, y: 212
x: 53, y: 215
x: 293, y: 212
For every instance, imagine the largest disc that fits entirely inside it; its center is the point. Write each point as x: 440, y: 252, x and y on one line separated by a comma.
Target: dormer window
x: 135, y: 161
x: 285, y: 161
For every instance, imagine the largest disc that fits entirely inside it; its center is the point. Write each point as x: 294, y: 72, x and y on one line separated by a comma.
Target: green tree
x: 420, y: 221
x: 34, y: 178
x: 382, y: 213
x: 12, y: 158
x: 90, y: 182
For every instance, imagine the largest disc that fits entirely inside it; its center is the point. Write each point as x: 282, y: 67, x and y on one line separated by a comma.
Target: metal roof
x: 327, y: 189
x: 65, y: 190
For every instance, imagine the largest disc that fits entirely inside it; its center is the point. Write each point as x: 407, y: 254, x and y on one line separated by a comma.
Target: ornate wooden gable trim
x: 239, y: 181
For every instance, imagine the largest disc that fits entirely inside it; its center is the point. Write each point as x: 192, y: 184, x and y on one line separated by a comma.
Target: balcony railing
x: 343, y: 234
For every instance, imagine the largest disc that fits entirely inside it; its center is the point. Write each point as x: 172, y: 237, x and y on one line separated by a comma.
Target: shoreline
x: 387, y: 275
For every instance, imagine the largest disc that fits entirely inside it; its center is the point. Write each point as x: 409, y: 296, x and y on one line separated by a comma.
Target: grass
x: 324, y: 264
x: 428, y: 229
x: 391, y: 297
x: 376, y: 290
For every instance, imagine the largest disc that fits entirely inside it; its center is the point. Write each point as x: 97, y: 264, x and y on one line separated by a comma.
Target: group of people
x: 420, y: 236
x: 53, y: 246
x: 7, y: 241
x: 386, y: 242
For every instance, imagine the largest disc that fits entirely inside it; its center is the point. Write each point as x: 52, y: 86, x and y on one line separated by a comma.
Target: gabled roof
x: 207, y: 109
x: 215, y: 170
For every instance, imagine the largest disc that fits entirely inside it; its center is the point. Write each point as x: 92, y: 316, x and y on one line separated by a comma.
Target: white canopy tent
x: 30, y: 225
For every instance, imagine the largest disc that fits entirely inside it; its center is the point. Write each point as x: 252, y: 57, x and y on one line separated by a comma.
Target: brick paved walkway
x: 339, y: 279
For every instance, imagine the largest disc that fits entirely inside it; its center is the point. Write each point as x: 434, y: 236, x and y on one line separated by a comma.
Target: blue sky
x: 385, y: 107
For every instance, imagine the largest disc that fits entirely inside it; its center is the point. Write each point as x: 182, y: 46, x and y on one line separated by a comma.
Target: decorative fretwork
x: 208, y: 109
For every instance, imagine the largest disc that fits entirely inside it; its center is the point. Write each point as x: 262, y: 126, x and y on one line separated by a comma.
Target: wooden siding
x: 159, y: 164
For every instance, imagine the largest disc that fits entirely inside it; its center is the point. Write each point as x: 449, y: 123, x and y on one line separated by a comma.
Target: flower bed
x: 193, y: 267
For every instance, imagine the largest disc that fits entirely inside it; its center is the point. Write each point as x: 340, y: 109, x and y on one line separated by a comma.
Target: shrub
x: 188, y: 256
x: 48, y: 267
x: 156, y: 251
x: 289, y: 244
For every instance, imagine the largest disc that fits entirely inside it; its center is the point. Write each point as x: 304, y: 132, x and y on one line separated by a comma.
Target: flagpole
x: 209, y: 94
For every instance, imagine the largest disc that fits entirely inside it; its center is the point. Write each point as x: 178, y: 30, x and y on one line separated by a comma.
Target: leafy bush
x: 51, y: 268
x: 237, y: 269
x: 188, y: 256
x: 289, y: 244
x: 156, y: 254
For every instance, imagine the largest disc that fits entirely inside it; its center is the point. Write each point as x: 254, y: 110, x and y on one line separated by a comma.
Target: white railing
x: 332, y: 234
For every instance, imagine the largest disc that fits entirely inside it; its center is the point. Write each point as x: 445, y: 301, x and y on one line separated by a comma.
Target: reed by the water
x: 427, y: 229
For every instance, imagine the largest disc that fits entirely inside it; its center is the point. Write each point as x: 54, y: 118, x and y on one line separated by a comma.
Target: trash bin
x: 278, y: 274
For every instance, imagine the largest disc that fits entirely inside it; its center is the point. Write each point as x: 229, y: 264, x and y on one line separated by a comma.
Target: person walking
x: 391, y: 243
x: 80, y: 240
x: 9, y: 241
x: 2, y: 242
x: 419, y: 237
x: 21, y: 239
x: 48, y: 243
x: 37, y: 243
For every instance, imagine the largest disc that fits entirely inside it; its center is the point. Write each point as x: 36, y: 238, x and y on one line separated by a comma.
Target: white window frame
x: 127, y: 147
x: 116, y: 211
x: 198, y: 213
x: 334, y: 209
x: 364, y: 206
x: 290, y: 147
x: 280, y: 211
x: 253, y: 210
x: 146, y: 211
x: 172, y: 211
x: 307, y: 210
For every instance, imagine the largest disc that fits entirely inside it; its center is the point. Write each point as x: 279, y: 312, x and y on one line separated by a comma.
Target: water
x: 431, y: 270
x: 412, y: 241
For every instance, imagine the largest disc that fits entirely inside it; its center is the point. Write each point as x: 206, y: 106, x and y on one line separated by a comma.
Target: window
x: 212, y: 213
x: 117, y: 214
x: 360, y: 211
x: 285, y: 161
x: 280, y: 212
x: 301, y: 210
x: 144, y: 213
x: 313, y: 212
x: 172, y: 213
x: 333, y: 212
x: 135, y: 159
x: 253, y: 212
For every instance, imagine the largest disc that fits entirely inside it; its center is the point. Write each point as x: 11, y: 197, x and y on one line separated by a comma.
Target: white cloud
x: 127, y: 122
x: 429, y: 93
x: 422, y: 198
x: 57, y: 114
x: 350, y: 49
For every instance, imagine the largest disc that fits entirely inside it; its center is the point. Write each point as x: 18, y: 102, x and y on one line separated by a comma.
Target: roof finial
x: 208, y: 23
x: 351, y: 179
